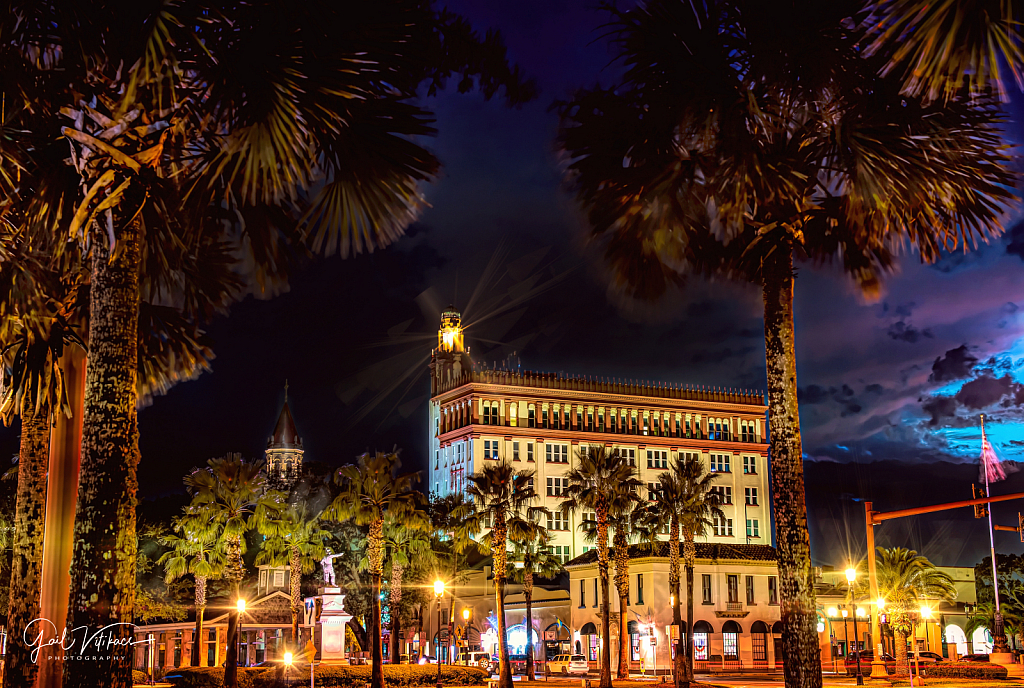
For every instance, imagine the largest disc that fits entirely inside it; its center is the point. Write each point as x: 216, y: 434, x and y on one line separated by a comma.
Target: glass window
x: 278, y: 579
x: 750, y: 494
x: 705, y: 588
x: 595, y: 593
x: 529, y: 451
x: 556, y: 487
x: 773, y: 590
x: 729, y: 648
x: 531, y: 421
x: 639, y: 588
x: 733, y: 585
x: 583, y: 594
x: 515, y: 451
x: 752, y: 528
x: 700, y: 646
x: 750, y: 465
x: 750, y: 590
x: 657, y: 458
x: 720, y: 463
x: 556, y: 453
x: 724, y: 494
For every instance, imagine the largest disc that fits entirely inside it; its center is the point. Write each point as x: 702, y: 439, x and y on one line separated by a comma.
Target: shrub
x: 963, y: 670
x: 331, y: 676
x: 139, y: 677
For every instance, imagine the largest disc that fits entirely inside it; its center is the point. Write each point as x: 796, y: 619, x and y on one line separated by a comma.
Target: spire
x: 285, y: 435
x: 286, y: 390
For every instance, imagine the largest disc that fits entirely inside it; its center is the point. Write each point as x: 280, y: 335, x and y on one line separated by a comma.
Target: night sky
x: 890, y: 391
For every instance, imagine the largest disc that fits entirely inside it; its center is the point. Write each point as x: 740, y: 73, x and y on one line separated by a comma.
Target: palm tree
x: 745, y: 134
x: 294, y: 537
x: 371, y: 491
x: 601, y: 482
x: 532, y: 558
x: 178, y: 134
x: 196, y: 548
x: 403, y: 546
x: 504, y: 498
x: 906, y: 581
x: 939, y: 47
x: 687, y: 503
x: 231, y: 494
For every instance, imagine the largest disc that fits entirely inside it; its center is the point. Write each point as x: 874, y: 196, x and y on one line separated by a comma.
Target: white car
x: 477, y: 659
x: 569, y: 664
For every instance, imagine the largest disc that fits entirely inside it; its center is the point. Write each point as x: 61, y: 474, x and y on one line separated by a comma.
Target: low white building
x: 736, y: 607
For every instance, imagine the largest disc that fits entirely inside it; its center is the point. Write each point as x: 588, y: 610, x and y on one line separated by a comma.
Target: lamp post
x: 465, y: 619
x: 287, y: 666
x: 851, y: 575
x: 439, y: 593
x: 846, y: 631
x: 240, y: 607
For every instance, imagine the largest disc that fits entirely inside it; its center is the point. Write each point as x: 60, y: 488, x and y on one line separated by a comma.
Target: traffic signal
x: 980, y: 510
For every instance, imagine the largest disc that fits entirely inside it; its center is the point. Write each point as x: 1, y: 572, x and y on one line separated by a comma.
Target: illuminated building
x: 284, y: 449
x: 540, y: 421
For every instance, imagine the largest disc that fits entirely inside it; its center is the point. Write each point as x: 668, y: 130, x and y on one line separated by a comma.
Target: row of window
x: 724, y: 493
x: 636, y: 593
x: 616, y: 421
x: 722, y: 527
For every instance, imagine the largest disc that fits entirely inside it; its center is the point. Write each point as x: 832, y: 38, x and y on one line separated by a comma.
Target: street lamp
x: 438, y: 593
x: 240, y: 608
x: 851, y: 575
x: 287, y: 665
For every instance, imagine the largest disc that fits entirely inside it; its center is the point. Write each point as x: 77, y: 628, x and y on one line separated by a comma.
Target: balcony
x: 733, y: 610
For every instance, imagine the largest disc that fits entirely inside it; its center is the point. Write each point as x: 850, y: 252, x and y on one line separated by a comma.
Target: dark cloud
x: 955, y: 365
x: 843, y: 396
x: 813, y: 394
x: 901, y: 331
x: 874, y: 389
x: 940, y: 409
x: 1015, y: 245
x: 985, y: 391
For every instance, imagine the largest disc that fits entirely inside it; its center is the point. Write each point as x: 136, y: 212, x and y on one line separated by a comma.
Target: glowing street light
x: 241, y: 606
x: 439, y: 593
x: 926, y: 612
x: 439, y: 588
x: 851, y: 574
x: 465, y: 614
x: 832, y: 612
x: 287, y: 664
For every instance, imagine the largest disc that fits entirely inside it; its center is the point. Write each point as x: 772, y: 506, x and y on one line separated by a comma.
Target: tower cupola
x: 284, y: 448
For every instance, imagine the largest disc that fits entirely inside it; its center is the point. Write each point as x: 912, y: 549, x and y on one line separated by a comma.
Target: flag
x: 991, y: 470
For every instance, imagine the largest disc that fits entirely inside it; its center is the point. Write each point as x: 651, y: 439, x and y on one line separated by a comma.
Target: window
x: 733, y: 586
x: 557, y: 453
x: 750, y: 495
x: 561, y: 552
x: 515, y: 451
x: 639, y: 588
x: 679, y: 427
x: 722, y: 527
x: 750, y: 590
x: 529, y: 451
x: 612, y: 423
x: 595, y: 593
x: 579, y: 418
x: 750, y: 465
x: 600, y: 422
x: 773, y: 590
x: 647, y: 426
x: 278, y: 579
x: 653, y: 490
x: 629, y: 455
x: 491, y: 413
x: 729, y: 646
x: 583, y: 594
x: 746, y: 431
x: 590, y: 518
x: 556, y: 416
x: 720, y: 463
x: 752, y: 528
x: 489, y: 451
x: 655, y: 425
x: 565, y: 417
x: 657, y: 458
x: 531, y: 421
x: 544, y: 418
x: 590, y: 421
x: 558, y: 520
x: 263, y: 578
x: 700, y: 646
x: 724, y: 494
x: 689, y: 431
x: 556, y: 487
x: 705, y: 588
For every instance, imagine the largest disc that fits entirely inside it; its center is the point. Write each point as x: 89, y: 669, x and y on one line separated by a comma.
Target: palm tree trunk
x: 688, y: 635
x: 296, y: 590
x: 27, y: 555
x: 396, y: 634
x: 198, y: 656
x: 375, y: 553
x: 396, y: 604
x: 103, y: 565
x: 530, y: 673
x: 602, y: 572
x: 622, y: 586
x: 498, y: 546
x: 233, y: 571
x: 902, y: 660
x: 796, y: 583
x: 678, y: 662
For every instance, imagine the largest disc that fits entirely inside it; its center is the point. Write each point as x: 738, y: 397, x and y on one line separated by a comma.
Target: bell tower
x: 284, y: 449
x: 451, y: 358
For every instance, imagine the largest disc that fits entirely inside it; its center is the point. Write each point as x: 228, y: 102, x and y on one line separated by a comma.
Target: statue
x: 328, y: 567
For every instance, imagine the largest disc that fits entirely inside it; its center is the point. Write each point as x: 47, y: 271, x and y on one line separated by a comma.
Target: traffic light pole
x: 873, y: 518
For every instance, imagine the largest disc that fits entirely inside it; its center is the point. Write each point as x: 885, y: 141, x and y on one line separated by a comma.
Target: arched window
x: 730, y: 640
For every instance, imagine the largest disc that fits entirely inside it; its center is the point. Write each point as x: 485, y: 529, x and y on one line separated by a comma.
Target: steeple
x: 284, y: 448
x: 451, y: 357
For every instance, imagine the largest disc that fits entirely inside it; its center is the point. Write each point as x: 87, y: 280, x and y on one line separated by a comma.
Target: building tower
x: 284, y: 449
x: 450, y: 360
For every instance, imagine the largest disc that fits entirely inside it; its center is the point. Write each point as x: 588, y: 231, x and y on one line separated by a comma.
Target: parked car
x: 477, y: 659
x: 974, y: 658
x: 568, y: 664
x: 427, y: 659
x: 866, y: 657
x: 930, y: 657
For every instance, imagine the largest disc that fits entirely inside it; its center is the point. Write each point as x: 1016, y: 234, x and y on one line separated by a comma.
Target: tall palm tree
x: 403, y: 546
x: 372, y: 490
x: 687, y: 503
x: 190, y: 121
x: 232, y: 494
x: 601, y: 482
x: 743, y: 135
x: 295, y: 538
x: 939, y: 47
x: 196, y: 548
x: 907, y: 581
x: 532, y: 558
x: 504, y: 498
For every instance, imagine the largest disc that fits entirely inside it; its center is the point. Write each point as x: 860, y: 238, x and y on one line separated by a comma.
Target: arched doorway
x: 634, y: 640
x: 702, y: 632
x: 556, y: 640
x: 517, y: 639
x: 780, y: 654
x: 589, y: 641
x: 956, y: 639
x: 731, y: 631
x: 759, y: 632
x: 982, y: 641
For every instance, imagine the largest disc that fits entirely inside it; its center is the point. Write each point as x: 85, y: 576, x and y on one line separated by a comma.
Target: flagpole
x: 998, y: 634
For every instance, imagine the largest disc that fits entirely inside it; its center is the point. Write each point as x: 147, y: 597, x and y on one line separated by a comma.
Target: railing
x: 734, y: 606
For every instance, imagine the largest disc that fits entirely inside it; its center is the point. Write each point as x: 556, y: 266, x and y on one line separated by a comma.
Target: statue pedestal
x: 331, y: 625
x: 1005, y: 659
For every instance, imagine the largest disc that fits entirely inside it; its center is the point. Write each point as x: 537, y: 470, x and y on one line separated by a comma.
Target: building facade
x: 541, y: 421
